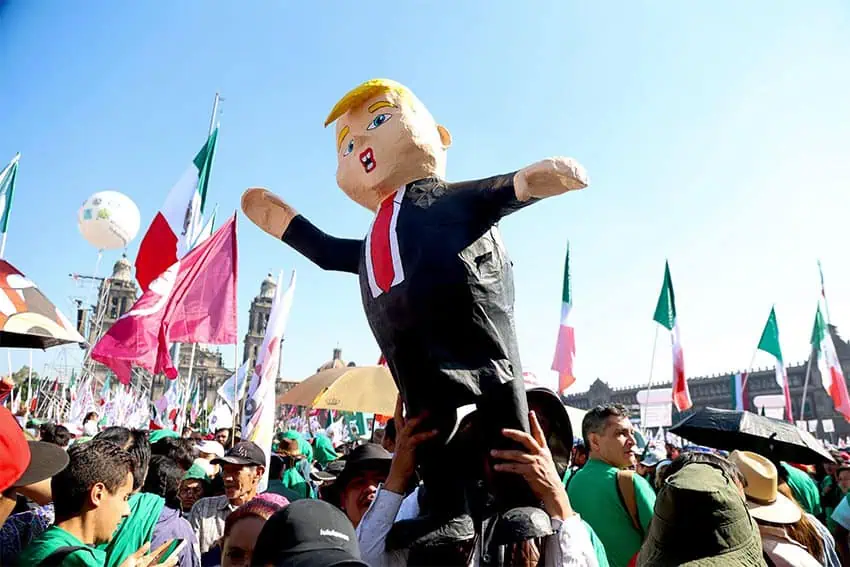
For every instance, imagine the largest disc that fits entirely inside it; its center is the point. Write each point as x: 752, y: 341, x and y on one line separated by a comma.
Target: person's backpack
x: 626, y: 492
x: 58, y: 556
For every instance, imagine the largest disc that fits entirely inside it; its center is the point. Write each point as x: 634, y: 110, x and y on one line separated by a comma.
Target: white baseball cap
x: 211, y: 448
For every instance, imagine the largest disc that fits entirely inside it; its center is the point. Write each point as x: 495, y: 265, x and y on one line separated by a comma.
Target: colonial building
x: 258, y: 319
x: 716, y: 391
x: 116, y: 295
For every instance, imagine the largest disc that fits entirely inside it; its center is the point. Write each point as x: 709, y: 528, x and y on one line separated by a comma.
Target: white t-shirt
x: 90, y: 428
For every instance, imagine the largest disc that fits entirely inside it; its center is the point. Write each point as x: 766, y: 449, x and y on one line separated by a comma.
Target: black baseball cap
x: 46, y: 460
x: 243, y: 453
x: 307, y: 533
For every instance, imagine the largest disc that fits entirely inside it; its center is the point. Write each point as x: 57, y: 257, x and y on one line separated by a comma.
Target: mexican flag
x: 7, y: 190
x: 179, y: 223
x: 769, y: 343
x: 665, y: 315
x: 831, y: 375
x: 565, y: 349
x: 739, y: 391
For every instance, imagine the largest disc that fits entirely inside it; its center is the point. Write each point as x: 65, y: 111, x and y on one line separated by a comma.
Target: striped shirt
x: 207, y: 519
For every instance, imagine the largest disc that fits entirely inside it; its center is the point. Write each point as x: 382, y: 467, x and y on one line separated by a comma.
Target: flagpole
x: 749, y: 369
x: 29, y: 387
x: 806, y: 387
x: 649, y: 384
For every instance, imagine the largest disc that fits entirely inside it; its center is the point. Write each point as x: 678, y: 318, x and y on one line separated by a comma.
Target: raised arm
x: 277, y: 218
x: 498, y: 196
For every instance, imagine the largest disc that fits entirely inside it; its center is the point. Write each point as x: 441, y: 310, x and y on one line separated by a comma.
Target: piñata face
x: 384, y: 143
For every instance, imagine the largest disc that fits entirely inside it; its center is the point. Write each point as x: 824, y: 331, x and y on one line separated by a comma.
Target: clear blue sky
x: 716, y: 136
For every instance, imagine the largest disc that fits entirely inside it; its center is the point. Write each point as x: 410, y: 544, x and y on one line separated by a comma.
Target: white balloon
x: 109, y: 220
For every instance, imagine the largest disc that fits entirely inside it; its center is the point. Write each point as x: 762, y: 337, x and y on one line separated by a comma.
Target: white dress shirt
x: 569, y: 546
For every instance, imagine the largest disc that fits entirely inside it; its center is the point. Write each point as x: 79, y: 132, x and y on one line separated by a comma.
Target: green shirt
x: 54, y: 538
x: 593, y: 495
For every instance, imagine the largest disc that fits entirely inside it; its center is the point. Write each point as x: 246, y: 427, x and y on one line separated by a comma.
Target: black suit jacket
x: 446, y: 330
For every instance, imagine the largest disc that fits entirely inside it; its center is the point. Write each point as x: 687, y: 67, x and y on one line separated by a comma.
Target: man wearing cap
x: 571, y: 541
x: 366, y: 468
x: 208, y: 451
x: 23, y: 464
x: 242, y: 468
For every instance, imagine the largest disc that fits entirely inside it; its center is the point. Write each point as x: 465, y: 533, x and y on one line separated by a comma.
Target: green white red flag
x: 565, y: 349
x: 665, y: 315
x: 769, y: 343
x: 831, y: 375
x: 179, y: 224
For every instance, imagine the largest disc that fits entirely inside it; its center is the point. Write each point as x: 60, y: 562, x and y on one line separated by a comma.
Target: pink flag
x: 193, y: 301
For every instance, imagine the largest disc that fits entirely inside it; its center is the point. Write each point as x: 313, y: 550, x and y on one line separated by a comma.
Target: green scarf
x: 135, y: 530
x: 324, y: 450
x: 804, y: 489
x: 305, y: 448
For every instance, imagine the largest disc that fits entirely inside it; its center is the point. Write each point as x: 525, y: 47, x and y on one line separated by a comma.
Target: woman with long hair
x: 243, y: 526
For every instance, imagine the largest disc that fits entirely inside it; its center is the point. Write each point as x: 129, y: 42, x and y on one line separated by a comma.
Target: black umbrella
x: 746, y: 431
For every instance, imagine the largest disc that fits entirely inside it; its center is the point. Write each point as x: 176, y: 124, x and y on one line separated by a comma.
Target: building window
x: 113, y: 309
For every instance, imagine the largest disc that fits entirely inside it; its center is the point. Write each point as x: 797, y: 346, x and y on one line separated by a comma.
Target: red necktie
x: 382, y: 261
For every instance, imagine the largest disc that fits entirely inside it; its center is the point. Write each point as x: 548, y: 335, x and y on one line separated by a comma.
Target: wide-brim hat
x: 369, y: 456
x: 763, y: 498
x: 559, y: 437
x: 701, y: 520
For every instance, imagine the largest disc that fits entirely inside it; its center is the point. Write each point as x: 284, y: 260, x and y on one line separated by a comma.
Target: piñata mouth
x: 367, y: 158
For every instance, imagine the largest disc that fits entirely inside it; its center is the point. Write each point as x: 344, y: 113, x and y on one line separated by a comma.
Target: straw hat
x: 763, y: 499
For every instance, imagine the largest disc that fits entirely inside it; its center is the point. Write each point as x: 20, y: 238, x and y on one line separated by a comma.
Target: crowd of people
x: 117, y: 497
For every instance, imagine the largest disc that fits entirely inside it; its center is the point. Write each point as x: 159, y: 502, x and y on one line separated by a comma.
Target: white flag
x: 259, y: 415
x: 233, y: 389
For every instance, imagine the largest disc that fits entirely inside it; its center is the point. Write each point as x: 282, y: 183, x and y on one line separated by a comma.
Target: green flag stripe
x: 819, y: 330
x: 665, y: 309
x: 204, y: 161
x: 7, y: 189
x: 567, y: 293
x: 769, y: 341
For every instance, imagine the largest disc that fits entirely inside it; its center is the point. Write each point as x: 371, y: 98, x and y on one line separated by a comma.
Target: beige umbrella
x: 368, y: 389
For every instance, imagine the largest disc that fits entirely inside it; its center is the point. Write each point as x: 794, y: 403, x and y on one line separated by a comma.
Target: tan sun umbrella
x: 355, y: 388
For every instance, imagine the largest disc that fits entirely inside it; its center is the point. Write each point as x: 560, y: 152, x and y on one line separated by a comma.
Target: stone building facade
x: 716, y: 391
x: 258, y: 319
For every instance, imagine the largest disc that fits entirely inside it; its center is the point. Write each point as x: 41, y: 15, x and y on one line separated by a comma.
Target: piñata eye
x: 378, y: 120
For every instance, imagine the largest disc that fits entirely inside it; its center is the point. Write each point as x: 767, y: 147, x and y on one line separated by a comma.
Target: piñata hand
x: 267, y: 210
x: 549, y: 177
